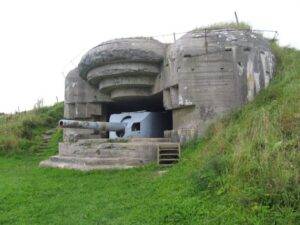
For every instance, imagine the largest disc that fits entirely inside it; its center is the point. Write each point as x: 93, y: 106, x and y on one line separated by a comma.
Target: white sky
x: 39, y: 38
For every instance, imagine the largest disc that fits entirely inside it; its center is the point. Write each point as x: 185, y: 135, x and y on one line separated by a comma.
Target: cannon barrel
x: 99, y: 126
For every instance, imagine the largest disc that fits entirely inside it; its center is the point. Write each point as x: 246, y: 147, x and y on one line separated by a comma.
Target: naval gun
x: 97, y: 126
x: 140, y: 124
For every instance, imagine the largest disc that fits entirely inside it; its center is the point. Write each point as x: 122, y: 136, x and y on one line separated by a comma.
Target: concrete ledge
x: 83, y: 164
x: 126, y: 82
x: 129, y: 93
x: 144, y: 151
x: 121, y: 69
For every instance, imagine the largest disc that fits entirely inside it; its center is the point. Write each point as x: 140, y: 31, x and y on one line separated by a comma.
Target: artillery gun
x: 97, y: 126
x: 126, y: 125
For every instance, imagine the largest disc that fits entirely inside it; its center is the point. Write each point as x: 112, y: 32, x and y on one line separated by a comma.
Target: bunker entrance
x: 143, y: 117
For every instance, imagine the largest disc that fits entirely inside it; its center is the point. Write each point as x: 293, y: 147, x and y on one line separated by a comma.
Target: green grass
x: 245, y: 170
x: 229, y: 25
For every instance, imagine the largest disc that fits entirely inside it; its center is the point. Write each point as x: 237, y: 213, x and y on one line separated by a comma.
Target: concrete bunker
x: 163, y: 94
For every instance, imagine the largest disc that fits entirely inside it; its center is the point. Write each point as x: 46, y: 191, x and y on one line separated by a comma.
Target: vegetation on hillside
x: 253, y: 155
x: 244, y: 171
x: 22, y: 132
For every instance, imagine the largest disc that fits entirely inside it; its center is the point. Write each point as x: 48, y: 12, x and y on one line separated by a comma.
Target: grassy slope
x: 245, y: 171
x: 21, y: 133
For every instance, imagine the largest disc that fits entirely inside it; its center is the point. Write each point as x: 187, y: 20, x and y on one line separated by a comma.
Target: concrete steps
x: 168, y: 153
x: 46, y: 137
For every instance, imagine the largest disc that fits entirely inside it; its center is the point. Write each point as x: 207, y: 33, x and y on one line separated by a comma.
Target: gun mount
x: 126, y: 125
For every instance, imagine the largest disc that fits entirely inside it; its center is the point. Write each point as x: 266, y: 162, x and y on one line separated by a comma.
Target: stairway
x: 168, y: 153
x: 46, y: 136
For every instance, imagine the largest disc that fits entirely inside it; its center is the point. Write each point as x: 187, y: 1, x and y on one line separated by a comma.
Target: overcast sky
x: 41, y: 41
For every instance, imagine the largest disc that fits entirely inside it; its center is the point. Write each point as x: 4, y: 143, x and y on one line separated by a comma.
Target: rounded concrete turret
x: 123, y: 68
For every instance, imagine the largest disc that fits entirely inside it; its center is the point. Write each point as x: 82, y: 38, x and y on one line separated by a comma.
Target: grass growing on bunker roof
x: 244, y: 171
x: 229, y: 25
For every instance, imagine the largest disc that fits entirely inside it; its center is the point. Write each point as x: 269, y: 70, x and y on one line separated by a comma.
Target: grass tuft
x: 229, y: 25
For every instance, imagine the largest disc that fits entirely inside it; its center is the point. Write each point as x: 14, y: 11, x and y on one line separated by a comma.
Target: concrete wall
x: 83, y: 102
x: 216, y: 71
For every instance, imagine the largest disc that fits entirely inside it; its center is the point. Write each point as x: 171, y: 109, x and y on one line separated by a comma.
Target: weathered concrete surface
x: 81, y: 99
x: 104, y: 154
x: 216, y: 71
x: 86, y: 164
x: 129, y: 63
x: 134, y: 69
x: 122, y: 50
x: 78, y: 90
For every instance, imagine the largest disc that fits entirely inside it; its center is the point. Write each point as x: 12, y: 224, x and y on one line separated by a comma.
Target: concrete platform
x: 90, y: 163
x: 92, y: 154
